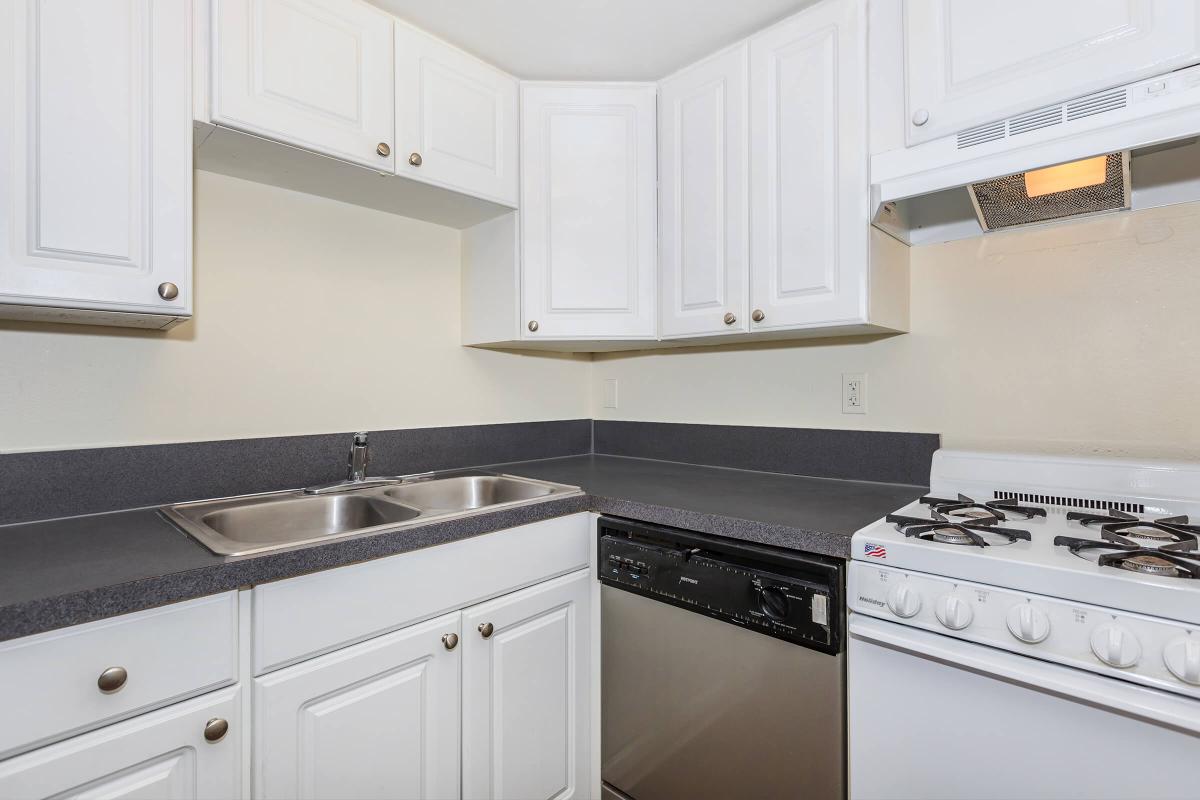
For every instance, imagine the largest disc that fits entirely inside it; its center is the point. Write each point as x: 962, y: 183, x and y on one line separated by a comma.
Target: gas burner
x: 1151, y: 565
x: 1176, y: 560
x: 1167, y: 530
x: 940, y: 529
x: 990, y: 511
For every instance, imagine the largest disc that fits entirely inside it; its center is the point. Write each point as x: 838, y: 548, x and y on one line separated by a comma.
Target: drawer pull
x: 486, y: 629
x: 215, y: 730
x: 450, y: 641
x: 112, y: 679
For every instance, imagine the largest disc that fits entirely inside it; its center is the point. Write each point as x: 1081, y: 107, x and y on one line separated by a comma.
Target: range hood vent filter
x: 1004, y: 202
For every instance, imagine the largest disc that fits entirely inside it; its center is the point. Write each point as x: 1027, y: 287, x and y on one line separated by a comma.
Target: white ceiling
x: 591, y: 39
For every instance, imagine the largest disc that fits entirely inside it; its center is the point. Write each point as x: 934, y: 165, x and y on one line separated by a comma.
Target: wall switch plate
x: 610, y: 392
x: 854, y: 392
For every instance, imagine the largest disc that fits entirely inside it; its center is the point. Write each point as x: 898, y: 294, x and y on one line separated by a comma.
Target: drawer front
x: 313, y: 614
x: 51, y: 682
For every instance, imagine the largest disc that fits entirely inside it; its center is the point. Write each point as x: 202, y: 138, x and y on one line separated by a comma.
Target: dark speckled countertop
x: 77, y: 569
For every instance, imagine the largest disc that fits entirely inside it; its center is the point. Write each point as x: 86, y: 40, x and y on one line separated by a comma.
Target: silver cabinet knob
x: 450, y: 641
x: 533, y: 326
x: 415, y: 159
x: 758, y: 315
x: 920, y: 117
x: 168, y: 291
x: 215, y: 730
x: 486, y: 630
x: 384, y: 149
x: 112, y: 679
x: 730, y: 318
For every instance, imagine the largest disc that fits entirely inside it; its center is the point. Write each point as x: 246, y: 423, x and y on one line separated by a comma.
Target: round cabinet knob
x: 533, y: 326
x: 1116, y: 646
x: 758, y: 315
x: 486, y: 630
x: 904, y: 601
x: 384, y: 149
x: 1029, y: 624
x: 773, y: 602
x: 168, y: 291
x: 920, y: 117
x: 450, y: 641
x: 730, y: 318
x: 112, y: 679
x: 1182, y: 658
x: 415, y: 159
x: 215, y: 730
x: 953, y: 612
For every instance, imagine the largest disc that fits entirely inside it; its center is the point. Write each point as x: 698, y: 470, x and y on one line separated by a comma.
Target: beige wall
x: 311, y: 316
x: 1076, y: 338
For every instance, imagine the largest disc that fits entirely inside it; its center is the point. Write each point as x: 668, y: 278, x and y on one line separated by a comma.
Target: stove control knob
x: 1182, y: 657
x: 904, y: 601
x: 1116, y: 646
x: 953, y: 612
x: 773, y: 602
x: 1029, y: 624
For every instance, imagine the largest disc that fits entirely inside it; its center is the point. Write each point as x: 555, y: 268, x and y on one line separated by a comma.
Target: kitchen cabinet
x: 703, y: 197
x: 375, y: 720
x: 527, y: 692
x: 188, y: 751
x: 95, y: 162
x: 987, y: 61
x: 588, y: 211
x: 456, y: 118
x: 312, y: 73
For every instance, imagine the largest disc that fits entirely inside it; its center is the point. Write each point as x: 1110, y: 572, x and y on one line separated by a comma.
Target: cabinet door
x: 988, y: 60
x: 703, y: 243
x: 527, y: 693
x: 163, y: 755
x: 588, y: 211
x: 96, y: 155
x: 456, y: 118
x: 374, y: 720
x: 313, y: 73
x: 808, y: 169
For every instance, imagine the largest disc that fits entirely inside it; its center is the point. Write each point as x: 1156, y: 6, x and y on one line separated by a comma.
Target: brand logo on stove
x: 689, y: 580
x: 874, y: 550
x: 872, y: 601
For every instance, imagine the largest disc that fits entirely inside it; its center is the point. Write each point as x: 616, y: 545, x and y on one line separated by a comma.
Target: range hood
x: 1130, y: 147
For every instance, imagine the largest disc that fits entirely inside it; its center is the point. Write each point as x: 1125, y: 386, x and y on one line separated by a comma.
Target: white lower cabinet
x: 164, y: 755
x: 376, y: 720
x: 527, y: 693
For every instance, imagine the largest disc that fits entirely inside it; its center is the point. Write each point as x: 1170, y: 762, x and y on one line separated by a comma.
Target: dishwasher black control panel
x: 792, y: 596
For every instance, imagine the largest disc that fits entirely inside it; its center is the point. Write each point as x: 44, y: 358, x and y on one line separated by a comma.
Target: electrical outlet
x: 610, y: 392
x: 854, y: 392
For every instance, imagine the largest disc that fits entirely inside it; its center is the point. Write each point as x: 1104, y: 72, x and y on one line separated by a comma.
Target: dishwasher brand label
x: 689, y: 580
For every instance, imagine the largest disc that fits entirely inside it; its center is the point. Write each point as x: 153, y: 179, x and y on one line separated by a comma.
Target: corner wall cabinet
x: 95, y: 162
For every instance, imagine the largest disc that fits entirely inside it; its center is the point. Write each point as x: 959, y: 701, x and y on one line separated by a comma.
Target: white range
x: 1030, y: 629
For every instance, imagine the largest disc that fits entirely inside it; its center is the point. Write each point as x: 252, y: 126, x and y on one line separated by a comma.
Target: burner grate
x: 1070, y: 502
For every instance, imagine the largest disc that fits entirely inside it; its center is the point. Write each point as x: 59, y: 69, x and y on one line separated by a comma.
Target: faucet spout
x: 359, y: 458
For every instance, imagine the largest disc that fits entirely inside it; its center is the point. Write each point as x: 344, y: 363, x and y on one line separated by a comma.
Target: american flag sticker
x: 874, y: 550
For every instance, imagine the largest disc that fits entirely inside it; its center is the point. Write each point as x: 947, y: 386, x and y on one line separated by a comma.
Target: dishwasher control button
x: 904, y: 601
x: 773, y: 602
x: 1182, y: 657
x: 1029, y: 624
x: 953, y: 612
x: 1116, y: 646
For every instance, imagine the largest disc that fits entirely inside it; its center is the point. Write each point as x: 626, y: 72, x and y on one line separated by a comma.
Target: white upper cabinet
x: 702, y: 196
x: 313, y: 73
x: 988, y: 60
x: 588, y: 211
x: 527, y: 693
x: 808, y: 170
x: 95, y: 161
x: 456, y: 118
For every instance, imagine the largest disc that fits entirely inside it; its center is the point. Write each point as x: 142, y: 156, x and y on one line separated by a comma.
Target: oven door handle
x: 1153, y: 705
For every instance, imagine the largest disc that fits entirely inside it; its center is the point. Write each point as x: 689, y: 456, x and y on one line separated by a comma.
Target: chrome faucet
x: 356, y: 470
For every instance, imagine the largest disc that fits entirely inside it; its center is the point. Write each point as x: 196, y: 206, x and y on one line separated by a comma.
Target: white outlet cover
x: 854, y: 392
x: 610, y: 392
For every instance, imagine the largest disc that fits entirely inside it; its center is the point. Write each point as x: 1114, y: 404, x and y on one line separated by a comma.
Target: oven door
x: 933, y: 717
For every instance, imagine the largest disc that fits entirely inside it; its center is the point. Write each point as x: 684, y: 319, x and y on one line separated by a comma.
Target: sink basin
x: 257, y: 523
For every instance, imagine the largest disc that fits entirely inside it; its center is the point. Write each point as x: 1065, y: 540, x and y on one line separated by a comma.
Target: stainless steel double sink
x: 237, y: 526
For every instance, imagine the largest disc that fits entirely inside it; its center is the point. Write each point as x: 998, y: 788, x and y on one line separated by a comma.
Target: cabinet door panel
x: 703, y: 242
x: 314, y: 73
x: 459, y: 114
x: 158, y: 756
x: 527, y: 692
x: 95, y: 154
x: 588, y: 211
x: 808, y: 157
x: 987, y: 60
x: 376, y: 720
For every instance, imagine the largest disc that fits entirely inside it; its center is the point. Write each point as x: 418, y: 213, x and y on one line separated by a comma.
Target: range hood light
x: 1064, y: 177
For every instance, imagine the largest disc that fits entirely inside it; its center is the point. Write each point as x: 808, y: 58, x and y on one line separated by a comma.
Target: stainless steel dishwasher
x: 722, y: 668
